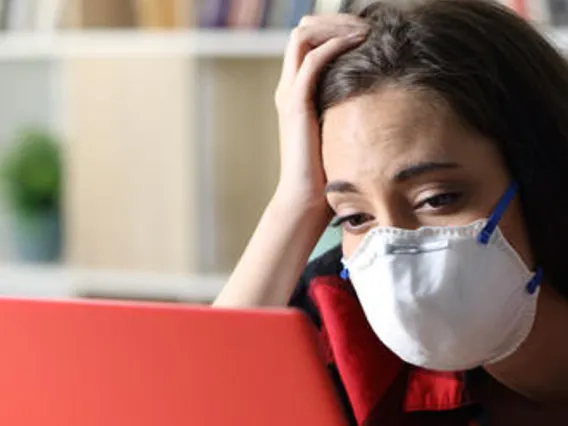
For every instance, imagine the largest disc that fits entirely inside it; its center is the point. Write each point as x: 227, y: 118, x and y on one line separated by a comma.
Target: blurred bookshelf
x: 199, y: 43
x: 56, y: 282
x: 165, y: 109
x: 169, y: 131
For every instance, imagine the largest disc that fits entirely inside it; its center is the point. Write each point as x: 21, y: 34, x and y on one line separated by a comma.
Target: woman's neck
x: 539, y: 368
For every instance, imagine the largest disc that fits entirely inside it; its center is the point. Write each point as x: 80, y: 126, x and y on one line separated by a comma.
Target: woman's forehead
x: 384, y: 131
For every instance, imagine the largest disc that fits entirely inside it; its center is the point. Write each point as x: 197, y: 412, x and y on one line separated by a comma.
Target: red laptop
x: 92, y: 363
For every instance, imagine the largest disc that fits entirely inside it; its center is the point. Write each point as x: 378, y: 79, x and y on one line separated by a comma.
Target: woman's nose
x: 396, y: 217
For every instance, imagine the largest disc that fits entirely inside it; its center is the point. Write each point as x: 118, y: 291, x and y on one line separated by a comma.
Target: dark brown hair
x: 501, y: 78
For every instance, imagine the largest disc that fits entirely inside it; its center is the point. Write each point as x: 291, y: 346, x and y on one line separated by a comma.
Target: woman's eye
x: 438, y: 202
x: 352, y: 222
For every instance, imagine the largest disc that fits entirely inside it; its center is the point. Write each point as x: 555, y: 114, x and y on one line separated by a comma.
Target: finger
x: 316, y: 60
x: 331, y: 19
x: 313, y: 32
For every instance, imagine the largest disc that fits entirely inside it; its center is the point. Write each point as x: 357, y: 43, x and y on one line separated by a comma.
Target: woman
x: 438, y: 135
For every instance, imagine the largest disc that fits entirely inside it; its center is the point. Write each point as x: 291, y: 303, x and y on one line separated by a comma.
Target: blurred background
x: 138, y: 139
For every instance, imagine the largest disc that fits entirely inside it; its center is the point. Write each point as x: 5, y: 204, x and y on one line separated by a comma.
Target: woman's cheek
x: 350, y: 243
x: 513, y: 227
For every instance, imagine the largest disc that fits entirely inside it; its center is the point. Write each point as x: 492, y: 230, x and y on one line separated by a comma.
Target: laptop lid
x: 111, y: 363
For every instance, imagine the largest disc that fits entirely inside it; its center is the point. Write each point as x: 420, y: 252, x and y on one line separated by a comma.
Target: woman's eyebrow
x: 405, y: 174
x: 340, y: 186
x: 419, y: 169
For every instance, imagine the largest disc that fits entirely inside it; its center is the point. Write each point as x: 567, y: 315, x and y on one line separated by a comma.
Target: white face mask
x: 446, y: 298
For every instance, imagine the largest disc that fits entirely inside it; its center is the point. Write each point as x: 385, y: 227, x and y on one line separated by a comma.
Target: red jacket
x: 376, y: 387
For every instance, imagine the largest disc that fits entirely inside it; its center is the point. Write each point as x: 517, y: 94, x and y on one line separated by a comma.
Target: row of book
x: 263, y: 13
x: 45, y: 15
x: 32, y: 15
x: 546, y: 12
x: 287, y: 13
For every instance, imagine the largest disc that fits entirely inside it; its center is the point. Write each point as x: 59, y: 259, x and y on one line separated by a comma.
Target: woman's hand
x: 298, y: 213
x: 313, y: 44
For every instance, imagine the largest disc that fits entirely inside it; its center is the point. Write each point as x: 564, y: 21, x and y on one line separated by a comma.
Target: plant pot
x: 38, y: 236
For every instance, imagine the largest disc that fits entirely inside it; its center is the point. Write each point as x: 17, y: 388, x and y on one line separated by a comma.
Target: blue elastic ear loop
x: 344, y: 274
x: 535, y: 281
x: 486, y: 233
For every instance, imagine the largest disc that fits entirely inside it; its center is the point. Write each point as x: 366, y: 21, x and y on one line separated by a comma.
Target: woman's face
x: 401, y: 158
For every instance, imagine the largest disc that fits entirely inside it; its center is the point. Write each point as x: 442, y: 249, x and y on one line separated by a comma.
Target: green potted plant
x: 32, y: 175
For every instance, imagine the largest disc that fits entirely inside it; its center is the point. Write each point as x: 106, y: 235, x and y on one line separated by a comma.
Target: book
x: 277, y: 13
x: 538, y: 11
x: 155, y: 13
x: 519, y: 6
x: 299, y: 9
x: 185, y: 13
x: 212, y: 13
x: 245, y: 13
x: 557, y: 13
x: 106, y: 13
x: 287, y: 13
x: 541, y: 12
x: 71, y: 14
x: 356, y: 6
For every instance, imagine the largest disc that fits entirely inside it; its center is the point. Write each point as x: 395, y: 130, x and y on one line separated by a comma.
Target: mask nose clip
x: 403, y: 249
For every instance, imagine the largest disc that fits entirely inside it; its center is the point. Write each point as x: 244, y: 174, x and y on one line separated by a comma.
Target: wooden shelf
x: 222, y: 43
x: 62, y: 283
x: 195, y: 43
